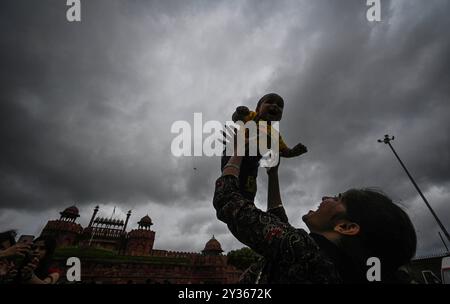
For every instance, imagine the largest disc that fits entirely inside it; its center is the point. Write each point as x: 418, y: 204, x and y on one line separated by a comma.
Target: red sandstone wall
x: 141, y: 273
x: 65, y: 233
x: 140, y: 242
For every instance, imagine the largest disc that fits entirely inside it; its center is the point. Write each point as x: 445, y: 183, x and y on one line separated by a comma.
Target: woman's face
x: 40, y: 249
x: 322, y: 219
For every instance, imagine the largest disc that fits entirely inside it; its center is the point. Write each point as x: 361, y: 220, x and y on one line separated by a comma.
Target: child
x: 269, y: 108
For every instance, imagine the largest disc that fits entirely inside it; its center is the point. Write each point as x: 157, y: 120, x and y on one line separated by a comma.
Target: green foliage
x: 242, y: 258
x: 102, y: 255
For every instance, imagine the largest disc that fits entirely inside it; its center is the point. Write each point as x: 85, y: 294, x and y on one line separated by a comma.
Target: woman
x: 8, y: 249
x: 345, y: 231
x: 39, y: 271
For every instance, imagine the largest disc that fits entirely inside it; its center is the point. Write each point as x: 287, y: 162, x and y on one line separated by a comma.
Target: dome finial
x: 212, y: 247
x: 146, y: 221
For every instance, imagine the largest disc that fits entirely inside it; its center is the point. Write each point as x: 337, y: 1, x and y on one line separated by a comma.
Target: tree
x: 242, y: 258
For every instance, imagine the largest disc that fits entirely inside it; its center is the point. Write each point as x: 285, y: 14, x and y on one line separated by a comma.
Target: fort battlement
x: 64, y: 226
x: 111, y: 254
x: 176, y: 254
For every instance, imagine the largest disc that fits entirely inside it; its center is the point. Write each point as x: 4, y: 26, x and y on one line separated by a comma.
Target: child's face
x: 271, y: 110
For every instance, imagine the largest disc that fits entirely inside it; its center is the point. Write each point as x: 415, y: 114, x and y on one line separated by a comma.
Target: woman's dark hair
x: 41, y: 270
x: 8, y: 236
x: 267, y: 97
x: 386, y: 231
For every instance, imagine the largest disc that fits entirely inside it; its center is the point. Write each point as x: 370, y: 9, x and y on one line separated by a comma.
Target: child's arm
x: 240, y: 114
x: 298, y: 150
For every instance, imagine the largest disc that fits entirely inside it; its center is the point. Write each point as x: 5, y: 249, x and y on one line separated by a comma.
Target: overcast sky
x: 86, y: 108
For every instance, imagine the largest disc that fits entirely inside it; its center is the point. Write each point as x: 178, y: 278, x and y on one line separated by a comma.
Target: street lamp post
x: 387, y: 140
x: 443, y: 242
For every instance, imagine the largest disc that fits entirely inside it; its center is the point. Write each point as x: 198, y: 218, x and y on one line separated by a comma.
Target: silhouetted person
x: 345, y: 231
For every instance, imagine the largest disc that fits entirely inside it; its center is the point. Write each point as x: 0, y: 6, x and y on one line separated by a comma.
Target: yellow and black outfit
x: 250, y: 164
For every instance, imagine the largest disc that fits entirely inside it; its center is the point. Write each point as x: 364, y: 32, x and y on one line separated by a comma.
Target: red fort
x: 109, y: 254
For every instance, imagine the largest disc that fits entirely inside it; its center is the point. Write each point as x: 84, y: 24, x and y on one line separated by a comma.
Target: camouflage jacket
x: 290, y: 255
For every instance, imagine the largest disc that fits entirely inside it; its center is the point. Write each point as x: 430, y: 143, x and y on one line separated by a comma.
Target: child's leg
x: 247, y: 175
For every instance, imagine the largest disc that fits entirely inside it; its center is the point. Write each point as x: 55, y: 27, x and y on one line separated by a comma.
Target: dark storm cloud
x: 67, y: 137
x: 86, y: 108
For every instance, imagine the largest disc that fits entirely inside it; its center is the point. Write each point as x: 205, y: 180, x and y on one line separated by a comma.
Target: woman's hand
x: 233, y: 136
x: 6, y: 267
x: 8, y: 272
x: 15, y: 250
x: 52, y: 278
x: 27, y: 271
x: 233, y: 165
